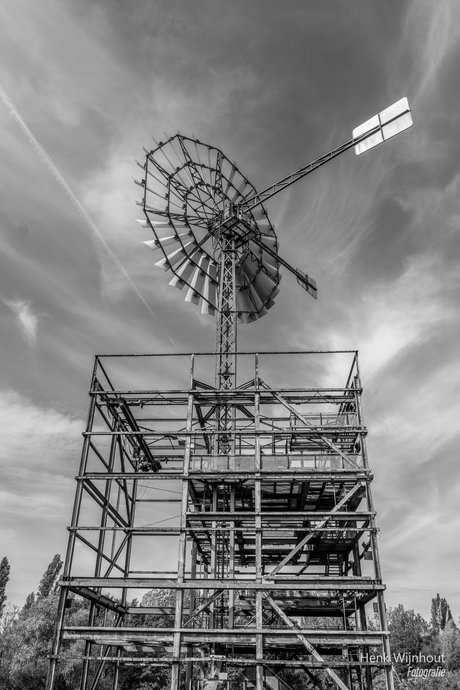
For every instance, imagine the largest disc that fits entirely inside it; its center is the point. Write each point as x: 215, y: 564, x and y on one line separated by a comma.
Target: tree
x: 450, y: 645
x: 49, y: 577
x: 440, y: 613
x: 25, y: 646
x: 408, y: 632
x: 30, y: 600
x: 4, y: 577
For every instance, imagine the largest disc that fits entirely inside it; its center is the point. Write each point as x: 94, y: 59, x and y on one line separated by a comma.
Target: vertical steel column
x: 226, y: 340
x: 175, y: 667
x: 50, y: 681
x: 258, y: 529
x: 193, y: 573
x: 373, y: 538
x: 98, y: 564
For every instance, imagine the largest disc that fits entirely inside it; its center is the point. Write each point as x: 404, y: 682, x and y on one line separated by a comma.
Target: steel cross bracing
x: 226, y: 338
x: 276, y: 539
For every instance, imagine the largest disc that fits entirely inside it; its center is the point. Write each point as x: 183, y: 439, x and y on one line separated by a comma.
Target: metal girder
x: 302, y: 543
x: 226, y: 340
x: 290, y: 623
x: 313, y: 584
x: 210, y: 600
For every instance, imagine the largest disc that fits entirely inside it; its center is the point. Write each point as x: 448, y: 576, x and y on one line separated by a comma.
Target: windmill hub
x: 234, y: 222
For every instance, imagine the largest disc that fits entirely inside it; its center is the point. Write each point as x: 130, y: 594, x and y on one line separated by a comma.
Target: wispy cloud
x: 52, y: 434
x: 405, y: 427
x: 77, y: 203
x: 24, y: 317
x: 38, y: 455
x: 433, y: 31
x: 393, y: 316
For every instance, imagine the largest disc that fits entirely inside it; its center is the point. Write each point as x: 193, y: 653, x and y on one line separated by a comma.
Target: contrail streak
x: 95, y: 230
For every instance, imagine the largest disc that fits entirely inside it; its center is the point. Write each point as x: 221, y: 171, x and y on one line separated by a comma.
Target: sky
x: 275, y: 85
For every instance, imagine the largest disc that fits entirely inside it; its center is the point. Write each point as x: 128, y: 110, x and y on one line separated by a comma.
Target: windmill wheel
x: 189, y: 190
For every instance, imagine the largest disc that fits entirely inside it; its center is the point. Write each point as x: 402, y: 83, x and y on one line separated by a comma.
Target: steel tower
x: 276, y: 515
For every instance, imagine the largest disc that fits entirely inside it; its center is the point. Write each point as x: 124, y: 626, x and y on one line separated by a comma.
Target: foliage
x: 411, y: 634
x: 150, y: 677
x: 4, y: 577
x: 408, y: 631
x: 49, y: 578
x: 440, y: 614
x: 30, y: 600
x: 450, y: 645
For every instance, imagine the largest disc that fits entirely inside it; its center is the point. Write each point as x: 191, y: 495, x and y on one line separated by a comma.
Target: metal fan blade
x: 244, y: 305
x: 273, y: 270
x: 176, y: 282
x: 185, y: 270
x: 258, y: 213
x: 152, y: 191
x: 261, y: 309
x: 256, y: 298
x: 212, y: 294
x: 259, y: 302
x: 152, y: 244
x: 249, y: 267
x: 240, y: 189
x: 243, y: 301
x: 208, y: 304
x: 172, y: 259
x: 256, y: 248
x: 266, y: 230
x: 230, y: 178
x: 206, y: 308
x: 247, y: 317
x: 165, y: 241
x: 196, y: 284
x: 192, y: 295
x: 149, y: 207
x: 267, y: 260
x: 270, y: 240
x: 157, y: 224
x: 264, y: 286
x: 182, y: 274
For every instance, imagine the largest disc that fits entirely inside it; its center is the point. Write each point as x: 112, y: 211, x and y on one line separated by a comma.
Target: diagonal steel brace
x: 304, y: 421
x: 290, y: 623
x: 309, y: 536
x: 204, y: 605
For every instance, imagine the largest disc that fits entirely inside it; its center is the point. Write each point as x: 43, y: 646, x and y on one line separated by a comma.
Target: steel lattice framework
x: 276, y: 514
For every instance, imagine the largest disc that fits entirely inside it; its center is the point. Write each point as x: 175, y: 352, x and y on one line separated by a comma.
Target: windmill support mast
x: 226, y: 334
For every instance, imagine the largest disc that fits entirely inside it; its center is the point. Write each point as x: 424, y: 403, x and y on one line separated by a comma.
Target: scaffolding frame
x: 276, y: 540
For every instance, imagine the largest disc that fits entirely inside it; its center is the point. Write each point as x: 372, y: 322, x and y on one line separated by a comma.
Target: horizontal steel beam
x: 318, y: 583
x: 234, y: 661
x: 275, y: 475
